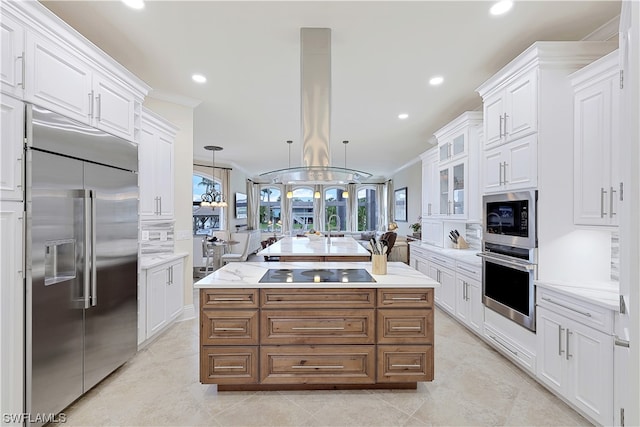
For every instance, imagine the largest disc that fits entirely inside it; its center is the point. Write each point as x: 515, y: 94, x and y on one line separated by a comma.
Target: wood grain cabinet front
x: 404, y: 363
x: 405, y: 298
x: 318, y: 298
x: 228, y: 365
x: 343, y: 364
x: 228, y: 298
x: 413, y: 326
x: 229, y: 327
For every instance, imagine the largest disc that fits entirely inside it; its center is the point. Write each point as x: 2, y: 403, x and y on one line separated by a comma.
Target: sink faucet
x: 329, y: 225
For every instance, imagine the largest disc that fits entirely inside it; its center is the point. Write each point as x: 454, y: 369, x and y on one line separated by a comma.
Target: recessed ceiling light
x: 199, y: 78
x: 501, y: 7
x: 436, y: 80
x: 403, y: 116
x: 134, y: 4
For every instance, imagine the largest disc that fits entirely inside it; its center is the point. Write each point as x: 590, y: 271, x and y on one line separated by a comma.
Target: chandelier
x: 212, y: 197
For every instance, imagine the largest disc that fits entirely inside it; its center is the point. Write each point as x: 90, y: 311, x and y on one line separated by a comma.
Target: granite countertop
x: 603, y: 294
x: 247, y: 275
x: 468, y: 256
x: 153, y: 260
x: 303, y: 246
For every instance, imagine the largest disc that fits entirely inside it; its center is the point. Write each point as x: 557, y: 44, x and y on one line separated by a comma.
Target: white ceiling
x: 383, y: 54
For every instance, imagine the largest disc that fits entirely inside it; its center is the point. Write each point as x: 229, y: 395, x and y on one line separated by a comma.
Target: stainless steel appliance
x: 82, y: 258
x: 509, y: 265
x: 306, y: 275
x: 510, y: 218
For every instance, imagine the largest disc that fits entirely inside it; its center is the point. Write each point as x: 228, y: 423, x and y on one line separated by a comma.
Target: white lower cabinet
x: 469, y: 308
x: 445, y: 295
x: 576, y: 361
x: 162, y: 293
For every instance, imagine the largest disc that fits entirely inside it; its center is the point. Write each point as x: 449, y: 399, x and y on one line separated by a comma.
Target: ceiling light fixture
x: 403, y: 116
x: 212, y: 197
x: 501, y: 7
x: 436, y: 80
x: 289, y: 193
x: 199, y: 78
x: 134, y: 4
x: 345, y: 193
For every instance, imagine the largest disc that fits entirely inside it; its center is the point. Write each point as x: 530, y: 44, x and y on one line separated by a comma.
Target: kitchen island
x: 302, y: 325
x: 340, y: 249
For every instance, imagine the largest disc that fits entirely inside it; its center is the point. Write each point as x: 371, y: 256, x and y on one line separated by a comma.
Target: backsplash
x: 615, y: 256
x: 160, y: 237
x: 472, y: 230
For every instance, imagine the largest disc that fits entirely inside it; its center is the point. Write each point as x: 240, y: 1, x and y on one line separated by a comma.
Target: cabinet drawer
x: 229, y: 365
x: 442, y: 260
x: 229, y: 327
x: 405, y: 326
x: 229, y: 298
x: 413, y: 297
x: 470, y: 270
x: 317, y: 364
x: 317, y: 327
x: 405, y: 363
x: 577, y: 309
x: 318, y: 298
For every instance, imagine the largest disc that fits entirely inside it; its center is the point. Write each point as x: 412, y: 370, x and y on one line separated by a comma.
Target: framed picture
x: 400, y: 204
x: 241, y: 206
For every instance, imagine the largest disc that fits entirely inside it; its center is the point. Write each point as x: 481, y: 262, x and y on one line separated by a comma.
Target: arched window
x: 270, y: 208
x: 302, y: 209
x: 367, y: 209
x: 334, y: 204
x: 205, y: 219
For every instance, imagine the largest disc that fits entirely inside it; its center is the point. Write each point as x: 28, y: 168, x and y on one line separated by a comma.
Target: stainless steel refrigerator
x: 82, y: 258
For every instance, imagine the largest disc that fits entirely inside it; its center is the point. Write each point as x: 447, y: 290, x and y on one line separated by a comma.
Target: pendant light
x: 289, y: 193
x: 316, y: 195
x: 212, y: 197
x: 345, y: 193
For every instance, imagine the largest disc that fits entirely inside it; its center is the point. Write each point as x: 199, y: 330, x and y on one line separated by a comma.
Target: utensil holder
x: 462, y: 244
x: 379, y: 264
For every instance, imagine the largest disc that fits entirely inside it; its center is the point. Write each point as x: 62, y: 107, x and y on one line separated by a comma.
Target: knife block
x: 462, y: 244
x: 379, y: 264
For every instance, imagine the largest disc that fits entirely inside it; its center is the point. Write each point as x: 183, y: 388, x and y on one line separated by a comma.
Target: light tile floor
x: 474, y: 385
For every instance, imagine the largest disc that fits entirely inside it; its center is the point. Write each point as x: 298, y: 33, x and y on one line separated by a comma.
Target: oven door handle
x: 507, y: 262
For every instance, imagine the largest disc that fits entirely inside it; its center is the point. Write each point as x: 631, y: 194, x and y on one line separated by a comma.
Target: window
x: 367, y: 209
x: 205, y: 219
x: 302, y: 209
x: 270, y: 208
x: 334, y: 204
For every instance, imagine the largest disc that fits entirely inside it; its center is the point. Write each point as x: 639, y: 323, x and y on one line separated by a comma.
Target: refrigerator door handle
x: 94, y: 264
x: 88, y: 249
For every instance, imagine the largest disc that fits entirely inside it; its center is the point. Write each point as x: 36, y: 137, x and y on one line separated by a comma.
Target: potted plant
x: 416, y: 227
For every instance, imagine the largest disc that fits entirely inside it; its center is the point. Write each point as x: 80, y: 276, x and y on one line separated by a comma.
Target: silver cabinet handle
x: 429, y: 209
x: 406, y: 328
x: 611, y: 192
x: 584, y: 313
x: 228, y: 329
x: 317, y: 367
x: 160, y: 204
x: 22, y: 72
x: 501, y: 118
x: 99, y: 104
x: 504, y: 173
x: 560, y: 350
x: 602, y: 194
x: 228, y: 367
x: 405, y: 366
x: 90, y: 104
x: 406, y: 298
x: 500, y: 174
x: 467, y: 270
x: 567, y: 336
x: 229, y: 299
x: 505, y: 124
x: 515, y: 353
x: 319, y: 328
x: 620, y: 342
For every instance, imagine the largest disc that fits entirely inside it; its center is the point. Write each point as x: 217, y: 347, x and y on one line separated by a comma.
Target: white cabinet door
x: 12, y: 133
x: 57, y: 80
x: 156, y: 299
x: 453, y: 195
x: 430, y: 183
x: 521, y: 163
x: 551, y: 349
x: 146, y: 174
x: 12, y: 59
x: 175, y: 290
x: 521, y: 106
x: 164, y: 174
x: 446, y: 293
x: 492, y: 170
x: 493, y: 110
x: 11, y: 308
x: 469, y: 308
x: 114, y: 107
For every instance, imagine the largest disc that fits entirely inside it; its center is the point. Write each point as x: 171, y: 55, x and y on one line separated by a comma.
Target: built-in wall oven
x: 509, y: 253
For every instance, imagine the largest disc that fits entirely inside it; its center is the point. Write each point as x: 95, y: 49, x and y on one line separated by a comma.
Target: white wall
x: 410, y: 177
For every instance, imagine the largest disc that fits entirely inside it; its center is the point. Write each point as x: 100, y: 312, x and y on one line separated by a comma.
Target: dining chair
x: 238, y: 251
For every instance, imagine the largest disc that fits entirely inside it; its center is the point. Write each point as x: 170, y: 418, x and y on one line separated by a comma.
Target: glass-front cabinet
x: 452, y: 186
x: 453, y: 147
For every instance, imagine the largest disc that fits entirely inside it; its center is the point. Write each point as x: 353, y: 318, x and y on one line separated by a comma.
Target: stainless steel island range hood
x: 315, y: 53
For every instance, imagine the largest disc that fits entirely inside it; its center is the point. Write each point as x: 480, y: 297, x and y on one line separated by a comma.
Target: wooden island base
x: 295, y: 387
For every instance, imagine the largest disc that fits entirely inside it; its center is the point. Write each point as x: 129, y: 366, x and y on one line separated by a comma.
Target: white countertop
x: 604, y: 294
x: 153, y: 260
x: 248, y: 274
x: 303, y: 246
x: 464, y: 255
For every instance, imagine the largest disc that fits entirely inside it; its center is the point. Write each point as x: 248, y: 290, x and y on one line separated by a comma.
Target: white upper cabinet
x: 46, y: 63
x: 511, y: 166
x: 12, y: 59
x: 430, y: 183
x: 155, y: 173
x: 597, y: 184
x: 12, y: 153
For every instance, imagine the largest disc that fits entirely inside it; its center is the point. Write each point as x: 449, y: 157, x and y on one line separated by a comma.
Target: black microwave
x: 510, y: 218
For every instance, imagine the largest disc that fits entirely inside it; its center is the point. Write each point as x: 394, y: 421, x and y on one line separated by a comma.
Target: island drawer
x: 317, y: 326
x: 229, y: 365
x: 318, y: 298
x: 229, y: 327
x: 409, y: 326
x: 228, y: 298
x: 406, y: 297
x: 343, y: 364
x: 405, y: 363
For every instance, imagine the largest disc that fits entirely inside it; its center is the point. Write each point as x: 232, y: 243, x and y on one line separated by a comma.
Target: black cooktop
x: 311, y: 275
